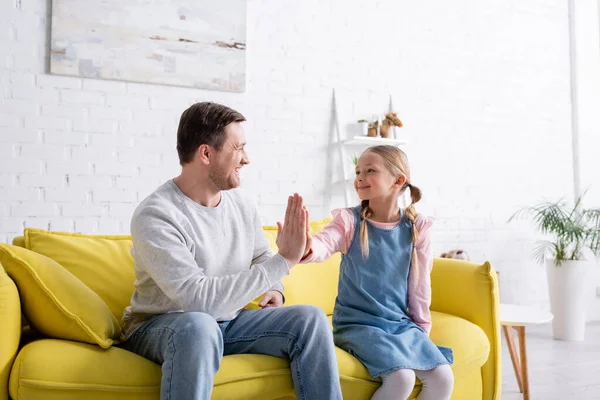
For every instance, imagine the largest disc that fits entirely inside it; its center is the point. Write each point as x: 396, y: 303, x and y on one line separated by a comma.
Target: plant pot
x: 363, y: 128
x: 568, y: 286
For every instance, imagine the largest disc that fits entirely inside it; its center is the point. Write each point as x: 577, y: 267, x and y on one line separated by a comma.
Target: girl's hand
x: 308, y: 235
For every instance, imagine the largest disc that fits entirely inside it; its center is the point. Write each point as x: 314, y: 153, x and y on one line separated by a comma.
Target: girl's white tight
x: 398, y: 385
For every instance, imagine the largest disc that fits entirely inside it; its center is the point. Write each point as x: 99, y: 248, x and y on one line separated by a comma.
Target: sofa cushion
x: 57, y: 369
x: 312, y: 283
x: 56, y: 302
x: 103, y: 263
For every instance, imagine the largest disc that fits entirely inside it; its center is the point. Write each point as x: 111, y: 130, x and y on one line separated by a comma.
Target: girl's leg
x: 397, y: 385
x: 437, y: 383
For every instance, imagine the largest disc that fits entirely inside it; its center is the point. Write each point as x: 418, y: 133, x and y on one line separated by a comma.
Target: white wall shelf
x: 373, y: 141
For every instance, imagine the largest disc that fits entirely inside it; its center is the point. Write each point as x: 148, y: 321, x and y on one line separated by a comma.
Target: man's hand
x: 272, y: 298
x: 291, y: 235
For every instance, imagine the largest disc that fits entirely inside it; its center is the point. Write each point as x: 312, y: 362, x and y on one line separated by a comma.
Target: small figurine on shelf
x: 373, y: 127
x: 363, y: 126
x: 391, y: 119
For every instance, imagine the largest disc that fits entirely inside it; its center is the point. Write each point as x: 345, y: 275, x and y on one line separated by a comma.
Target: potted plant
x: 573, y: 231
x: 363, y: 126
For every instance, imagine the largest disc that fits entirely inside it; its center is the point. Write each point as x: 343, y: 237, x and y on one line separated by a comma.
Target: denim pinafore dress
x: 370, y: 318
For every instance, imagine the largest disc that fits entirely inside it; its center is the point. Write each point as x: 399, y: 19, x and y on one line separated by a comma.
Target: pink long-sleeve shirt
x: 338, y: 235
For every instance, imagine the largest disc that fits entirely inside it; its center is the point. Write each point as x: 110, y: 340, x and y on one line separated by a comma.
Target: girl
x: 381, y: 313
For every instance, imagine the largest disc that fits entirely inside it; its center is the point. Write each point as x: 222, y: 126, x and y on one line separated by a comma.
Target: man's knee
x: 198, y: 330
x: 311, y: 316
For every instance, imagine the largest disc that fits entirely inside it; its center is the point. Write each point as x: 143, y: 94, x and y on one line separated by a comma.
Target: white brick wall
x: 482, y: 87
x: 587, y: 100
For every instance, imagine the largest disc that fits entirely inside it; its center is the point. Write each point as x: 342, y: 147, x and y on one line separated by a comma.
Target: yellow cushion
x: 310, y: 283
x: 103, y: 263
x: 56, y: 302
x: 57, y: 369
x: 19, y: 241
x: 468, y: 341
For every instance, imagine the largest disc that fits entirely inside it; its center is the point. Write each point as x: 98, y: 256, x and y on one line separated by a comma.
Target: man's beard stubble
x: 219, y: 179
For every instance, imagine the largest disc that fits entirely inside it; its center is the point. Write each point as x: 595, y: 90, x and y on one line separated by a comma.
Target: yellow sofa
x: 464, y: 312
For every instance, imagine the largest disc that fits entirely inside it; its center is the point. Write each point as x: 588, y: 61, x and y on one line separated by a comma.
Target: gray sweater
x: 194, y: 258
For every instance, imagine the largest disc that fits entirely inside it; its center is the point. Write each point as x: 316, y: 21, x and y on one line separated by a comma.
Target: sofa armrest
x: 10, y: 331
x: 470, y: 291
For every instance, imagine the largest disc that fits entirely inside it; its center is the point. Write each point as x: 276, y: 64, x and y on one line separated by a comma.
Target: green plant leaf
x: 573, y: 229
x: 543, y: 250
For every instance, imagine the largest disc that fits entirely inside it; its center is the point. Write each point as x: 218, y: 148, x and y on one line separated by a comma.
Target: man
x: 201, y: 256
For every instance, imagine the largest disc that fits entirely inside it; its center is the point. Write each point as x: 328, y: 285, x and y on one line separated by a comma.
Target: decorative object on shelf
x: 457, y: 254
x: 182, y: 43
x: 373, y: 128
x: 363, y: 125
x: 355, y: 160
x: 573, y: 230
x: 391, y: 119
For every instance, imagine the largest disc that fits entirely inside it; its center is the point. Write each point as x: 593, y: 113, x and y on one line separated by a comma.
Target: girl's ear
x: 401, y: 181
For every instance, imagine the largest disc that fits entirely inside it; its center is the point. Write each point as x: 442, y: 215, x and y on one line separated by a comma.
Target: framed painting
x: 192, y: 43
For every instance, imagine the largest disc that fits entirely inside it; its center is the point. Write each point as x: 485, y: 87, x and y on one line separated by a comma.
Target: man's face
x: 225, y: 171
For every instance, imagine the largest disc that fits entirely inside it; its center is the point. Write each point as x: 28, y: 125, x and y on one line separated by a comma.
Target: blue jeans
x: 190, y: 346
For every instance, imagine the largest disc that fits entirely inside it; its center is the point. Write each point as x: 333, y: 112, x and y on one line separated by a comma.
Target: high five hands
x: 293, y: 236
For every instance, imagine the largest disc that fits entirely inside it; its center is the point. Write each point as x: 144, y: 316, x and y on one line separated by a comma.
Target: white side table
x: 519, y: 317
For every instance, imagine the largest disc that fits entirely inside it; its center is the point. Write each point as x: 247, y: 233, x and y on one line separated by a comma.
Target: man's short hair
x: 203, y: 123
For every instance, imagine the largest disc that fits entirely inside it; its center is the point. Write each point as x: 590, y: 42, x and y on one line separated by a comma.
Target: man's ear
x: 204, y: 154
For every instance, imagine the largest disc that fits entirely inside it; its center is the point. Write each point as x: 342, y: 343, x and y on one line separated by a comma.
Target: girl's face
x: 374, y: 179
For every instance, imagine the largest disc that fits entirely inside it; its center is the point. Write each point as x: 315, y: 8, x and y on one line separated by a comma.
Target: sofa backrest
x: 105, y: 265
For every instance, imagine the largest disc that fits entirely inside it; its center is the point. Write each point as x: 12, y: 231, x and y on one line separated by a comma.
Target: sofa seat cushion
x: 467, y: 340
x: 57, y: 369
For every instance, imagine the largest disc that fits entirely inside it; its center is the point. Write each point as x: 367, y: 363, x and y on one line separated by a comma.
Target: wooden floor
x: 558, y: 370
